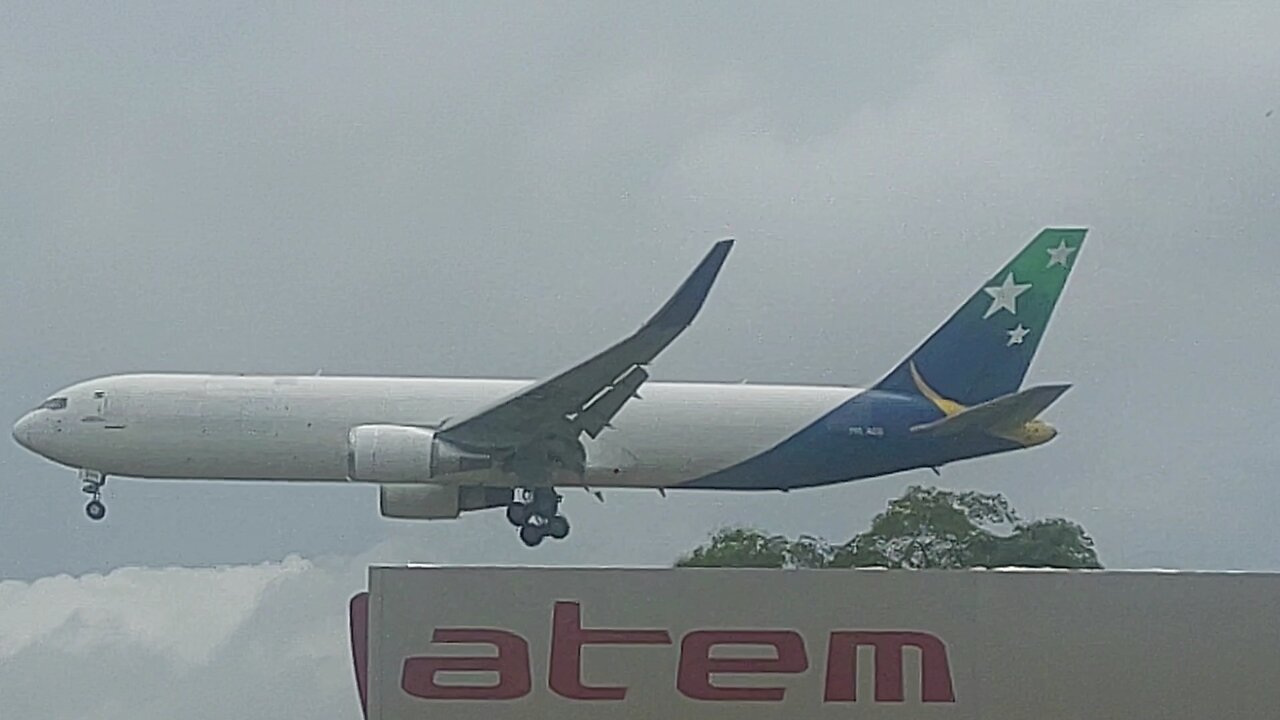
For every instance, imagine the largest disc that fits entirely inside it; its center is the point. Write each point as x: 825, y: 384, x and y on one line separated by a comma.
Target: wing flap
x: 596, y: 417
x: 1002, y: 415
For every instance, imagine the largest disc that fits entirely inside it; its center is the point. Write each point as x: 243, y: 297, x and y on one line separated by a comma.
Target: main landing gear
x: 91, y: 482
x: 536, y: 513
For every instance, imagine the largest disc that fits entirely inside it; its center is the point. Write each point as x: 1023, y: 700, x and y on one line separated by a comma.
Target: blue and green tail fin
x: 983, y: 350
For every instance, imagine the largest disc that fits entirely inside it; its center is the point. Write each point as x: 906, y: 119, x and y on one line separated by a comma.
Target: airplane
x: 440, y: 447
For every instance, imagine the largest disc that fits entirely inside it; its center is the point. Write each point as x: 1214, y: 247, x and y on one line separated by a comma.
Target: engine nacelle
x: 426, y: 501
x: 407, y: 454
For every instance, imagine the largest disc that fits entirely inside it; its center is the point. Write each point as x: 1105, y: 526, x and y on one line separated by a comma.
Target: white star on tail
x: 1016, y: 335
x: 1060, y: 255
x: 1005, y: 296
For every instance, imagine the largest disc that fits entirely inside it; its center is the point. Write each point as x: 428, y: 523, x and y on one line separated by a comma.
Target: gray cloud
x: 501, y: 190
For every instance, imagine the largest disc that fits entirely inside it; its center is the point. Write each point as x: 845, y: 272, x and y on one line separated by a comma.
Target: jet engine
x: 408, y: 454
x: 427, y: 501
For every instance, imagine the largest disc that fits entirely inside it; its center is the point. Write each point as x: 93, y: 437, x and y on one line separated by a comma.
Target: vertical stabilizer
x: 984, y: 349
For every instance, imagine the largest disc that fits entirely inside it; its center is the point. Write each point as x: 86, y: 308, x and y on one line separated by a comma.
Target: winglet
x: 680, y: 310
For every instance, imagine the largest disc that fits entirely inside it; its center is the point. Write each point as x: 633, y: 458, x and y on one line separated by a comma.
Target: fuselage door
x: 95, y: 411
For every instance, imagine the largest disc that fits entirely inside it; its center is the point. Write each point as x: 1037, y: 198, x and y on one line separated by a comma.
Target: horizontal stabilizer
x: 1001, y: 416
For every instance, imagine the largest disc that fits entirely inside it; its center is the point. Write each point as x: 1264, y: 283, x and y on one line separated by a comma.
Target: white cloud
x: 262, y: 641
x: 80, y: 615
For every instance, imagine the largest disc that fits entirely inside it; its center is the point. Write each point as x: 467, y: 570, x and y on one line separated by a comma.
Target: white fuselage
x: 221, y: 427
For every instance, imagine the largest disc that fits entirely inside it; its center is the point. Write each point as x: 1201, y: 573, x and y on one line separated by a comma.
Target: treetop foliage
x: 926, y: 528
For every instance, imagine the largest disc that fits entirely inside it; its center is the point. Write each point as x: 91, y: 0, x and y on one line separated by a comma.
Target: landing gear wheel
x: 531, y: 535
x: 91, y: 482
x: 536, y: 511
x: 545, y: 502
x: 518, y: 514
x: 557, y: 527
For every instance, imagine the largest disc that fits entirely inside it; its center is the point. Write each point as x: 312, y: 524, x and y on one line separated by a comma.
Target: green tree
x: 740, y: 547
x: 925, y: 528
x: 751, y: 548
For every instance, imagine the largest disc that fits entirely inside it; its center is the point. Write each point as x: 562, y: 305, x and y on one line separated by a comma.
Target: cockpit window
x: 58, y: 403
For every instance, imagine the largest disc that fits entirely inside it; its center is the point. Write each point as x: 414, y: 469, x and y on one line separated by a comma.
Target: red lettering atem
x: 511, y: 664
x: 567, y: 639
x: 842, y: 666
x: 697, y: 665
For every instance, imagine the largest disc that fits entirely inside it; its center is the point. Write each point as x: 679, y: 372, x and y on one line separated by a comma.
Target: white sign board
x: 604, y: 644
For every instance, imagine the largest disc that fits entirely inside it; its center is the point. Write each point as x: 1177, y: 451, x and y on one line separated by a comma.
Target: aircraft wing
x: 585, y: 397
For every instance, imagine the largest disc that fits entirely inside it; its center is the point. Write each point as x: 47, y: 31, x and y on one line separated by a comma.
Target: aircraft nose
x: 23, y: 429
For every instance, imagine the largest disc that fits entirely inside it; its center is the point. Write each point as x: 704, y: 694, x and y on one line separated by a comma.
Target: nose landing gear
x: 91, y: 482
x: 537, y: 516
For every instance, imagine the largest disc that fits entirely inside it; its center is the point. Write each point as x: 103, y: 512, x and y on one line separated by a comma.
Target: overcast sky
x: 501, y: 190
